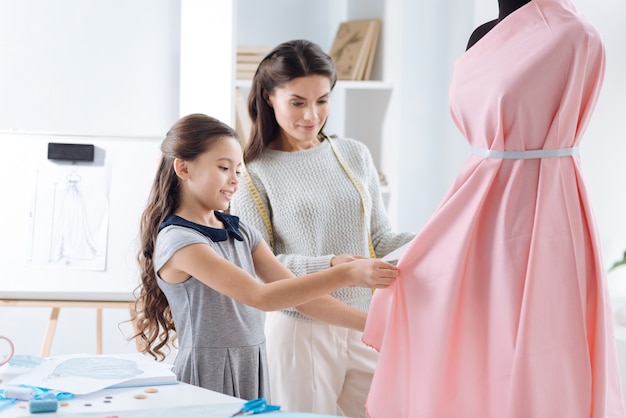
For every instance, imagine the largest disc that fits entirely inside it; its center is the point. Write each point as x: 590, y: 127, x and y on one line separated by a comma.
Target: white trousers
x: 317, y: 368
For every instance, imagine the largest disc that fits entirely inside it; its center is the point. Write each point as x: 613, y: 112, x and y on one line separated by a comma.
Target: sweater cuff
x: 320, y: 263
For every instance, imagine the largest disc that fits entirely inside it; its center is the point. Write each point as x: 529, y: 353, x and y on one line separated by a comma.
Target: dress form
x: 505, y: 7
x: 506, y: 337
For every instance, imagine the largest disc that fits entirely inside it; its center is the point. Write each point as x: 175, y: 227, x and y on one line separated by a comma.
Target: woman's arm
x: 334, y: 312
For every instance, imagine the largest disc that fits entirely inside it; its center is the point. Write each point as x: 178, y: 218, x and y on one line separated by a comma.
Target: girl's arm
x: 203, y: 263
x: 326, y: 308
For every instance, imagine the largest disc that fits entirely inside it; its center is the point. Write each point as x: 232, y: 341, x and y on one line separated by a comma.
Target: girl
x: 198, y: 268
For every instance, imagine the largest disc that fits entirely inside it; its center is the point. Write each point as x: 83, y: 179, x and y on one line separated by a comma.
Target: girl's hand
x: 344, y: 258
x: 372, y: 272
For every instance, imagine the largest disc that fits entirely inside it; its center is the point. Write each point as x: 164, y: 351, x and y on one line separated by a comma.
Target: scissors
x: 256, y: 406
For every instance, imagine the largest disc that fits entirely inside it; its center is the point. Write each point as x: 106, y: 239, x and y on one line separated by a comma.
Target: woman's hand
x: 371, y: 272
x: 344, y: 258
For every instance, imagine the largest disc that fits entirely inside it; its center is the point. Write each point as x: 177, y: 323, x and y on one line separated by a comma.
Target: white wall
x: 106, y: 67
x: 207, y: 58
x: 428, y: 150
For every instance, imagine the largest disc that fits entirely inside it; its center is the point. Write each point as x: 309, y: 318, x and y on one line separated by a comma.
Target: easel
x: 56, y: 306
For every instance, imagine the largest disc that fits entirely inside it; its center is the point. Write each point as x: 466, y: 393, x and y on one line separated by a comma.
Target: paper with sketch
x: 81, y: 373
x: 395, y: 255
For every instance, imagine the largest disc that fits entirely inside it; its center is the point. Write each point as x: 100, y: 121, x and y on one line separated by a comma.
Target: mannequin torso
x: 506, y: 7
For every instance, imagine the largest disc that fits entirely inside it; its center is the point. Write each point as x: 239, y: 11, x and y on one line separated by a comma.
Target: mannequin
x: 523, y: 322
x: 506, y: 7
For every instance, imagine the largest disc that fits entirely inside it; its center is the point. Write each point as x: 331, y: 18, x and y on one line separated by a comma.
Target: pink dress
x: 502, y: 309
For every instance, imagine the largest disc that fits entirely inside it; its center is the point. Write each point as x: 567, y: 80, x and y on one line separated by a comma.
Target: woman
x: 323, y: 207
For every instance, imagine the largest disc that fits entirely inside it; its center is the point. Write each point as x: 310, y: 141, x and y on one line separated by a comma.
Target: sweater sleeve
x: 301, y: 265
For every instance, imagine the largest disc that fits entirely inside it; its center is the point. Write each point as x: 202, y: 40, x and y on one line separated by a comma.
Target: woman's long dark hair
x: 188, y: 138
x: 287, y: 61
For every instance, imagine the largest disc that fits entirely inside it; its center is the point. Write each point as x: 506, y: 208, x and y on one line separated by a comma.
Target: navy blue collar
x: 231, y: 226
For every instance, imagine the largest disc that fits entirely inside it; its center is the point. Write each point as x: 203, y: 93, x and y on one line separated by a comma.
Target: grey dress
x: 221, y: 341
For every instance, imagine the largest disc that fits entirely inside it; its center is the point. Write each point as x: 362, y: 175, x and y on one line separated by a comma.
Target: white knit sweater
x: 316, y: 210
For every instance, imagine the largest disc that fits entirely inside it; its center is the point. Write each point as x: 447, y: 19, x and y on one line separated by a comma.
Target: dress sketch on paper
x: 71, y: 232
x: 69, y: 217
x: 82, y: 373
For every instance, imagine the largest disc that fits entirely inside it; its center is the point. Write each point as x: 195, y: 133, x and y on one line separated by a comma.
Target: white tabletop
x: 177, y: 400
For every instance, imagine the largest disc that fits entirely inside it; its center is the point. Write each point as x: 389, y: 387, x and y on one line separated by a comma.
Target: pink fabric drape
x: 501, y: 309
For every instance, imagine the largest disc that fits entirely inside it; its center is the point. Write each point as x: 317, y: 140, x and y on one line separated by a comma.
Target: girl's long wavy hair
x: 287, y: 61
x: 188, y: 138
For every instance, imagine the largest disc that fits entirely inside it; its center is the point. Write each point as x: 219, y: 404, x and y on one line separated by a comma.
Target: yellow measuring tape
x: 360, y: 189
x: 256, y: 198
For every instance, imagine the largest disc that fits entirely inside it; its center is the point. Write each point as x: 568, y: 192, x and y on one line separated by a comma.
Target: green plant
x: 619, y: 263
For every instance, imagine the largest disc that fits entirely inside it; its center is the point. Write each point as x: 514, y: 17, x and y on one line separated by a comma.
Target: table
x: 98, y: 302
x: 163, y: 401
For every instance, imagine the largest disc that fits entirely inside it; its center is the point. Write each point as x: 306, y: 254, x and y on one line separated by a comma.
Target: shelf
x: 343, y: 84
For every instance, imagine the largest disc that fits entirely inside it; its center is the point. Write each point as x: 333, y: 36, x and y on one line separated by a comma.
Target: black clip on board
x: 70, y: 152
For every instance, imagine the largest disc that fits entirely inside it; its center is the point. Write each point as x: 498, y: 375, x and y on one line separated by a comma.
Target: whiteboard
x: 128, y: 164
